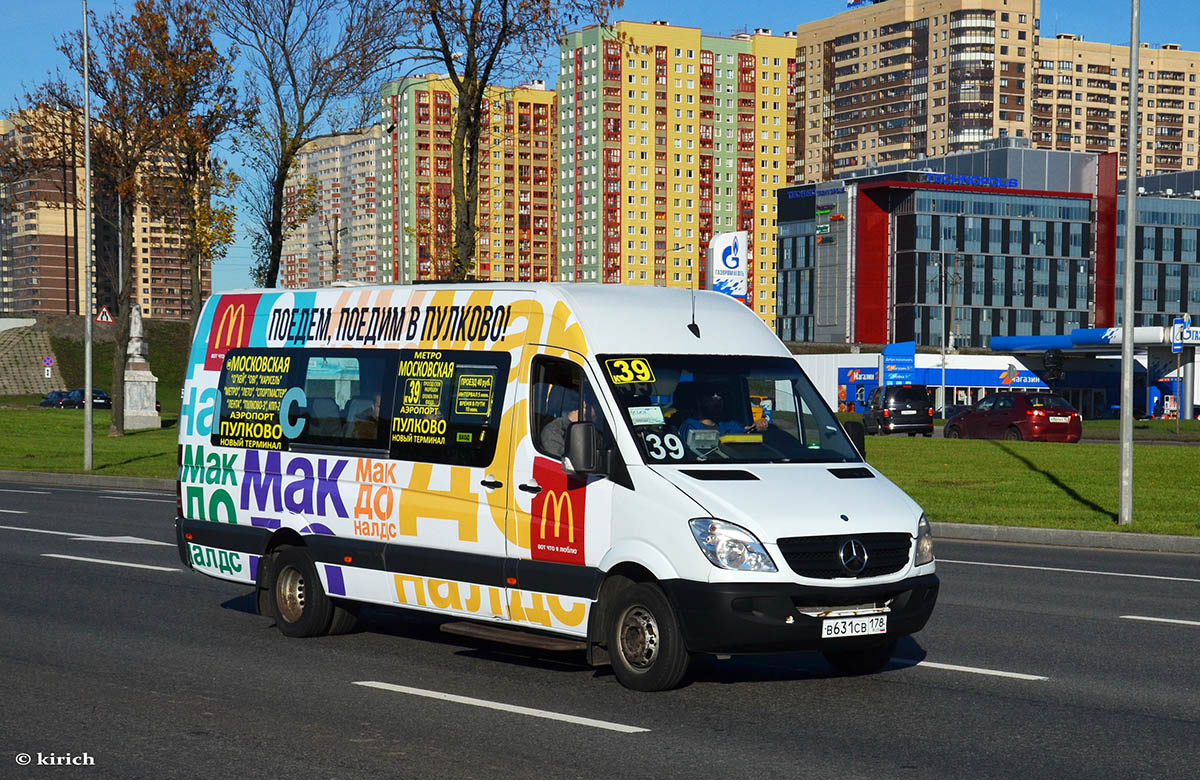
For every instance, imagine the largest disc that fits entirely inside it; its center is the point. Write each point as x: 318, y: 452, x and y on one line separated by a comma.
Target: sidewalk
x: 1114, y: 540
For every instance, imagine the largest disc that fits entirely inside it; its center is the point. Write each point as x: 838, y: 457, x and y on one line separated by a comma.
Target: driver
x: 554, y: 433
x: 711, y: 409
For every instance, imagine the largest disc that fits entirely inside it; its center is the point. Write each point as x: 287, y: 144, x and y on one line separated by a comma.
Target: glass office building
x: 1007, y: 241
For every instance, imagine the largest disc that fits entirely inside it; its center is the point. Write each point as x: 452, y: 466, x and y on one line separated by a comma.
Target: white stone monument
x: 140, y: 385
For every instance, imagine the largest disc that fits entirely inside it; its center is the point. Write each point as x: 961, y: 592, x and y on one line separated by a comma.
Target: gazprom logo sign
x: 728, y: 263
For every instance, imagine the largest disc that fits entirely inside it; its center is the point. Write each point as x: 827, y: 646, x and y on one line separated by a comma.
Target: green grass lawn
x: 1003, y: 483
x: 52, y: 440
x: 1040, y: 484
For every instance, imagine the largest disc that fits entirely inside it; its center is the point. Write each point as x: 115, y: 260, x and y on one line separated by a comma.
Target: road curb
x: 1114, y: 540
x: 87, y: 480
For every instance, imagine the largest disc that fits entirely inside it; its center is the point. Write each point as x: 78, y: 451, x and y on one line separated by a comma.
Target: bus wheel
x: 645, y: 644
x: 866, y: 660
x: 298, y: 603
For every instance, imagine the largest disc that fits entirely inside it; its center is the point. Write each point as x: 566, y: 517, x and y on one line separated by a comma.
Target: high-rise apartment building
x: 1081, y: 101
x: 518, y: 176
x: 41, y: 229
x: 900, y: 79
x: 42, y: 223
x: 335, y: 181
x: 667, y: 138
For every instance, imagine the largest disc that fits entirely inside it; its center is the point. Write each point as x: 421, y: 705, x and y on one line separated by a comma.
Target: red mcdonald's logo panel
x: 556, y: 519
x: 233, y: 322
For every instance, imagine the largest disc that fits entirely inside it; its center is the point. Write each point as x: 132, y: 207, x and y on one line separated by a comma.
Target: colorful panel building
x: 518, y: 176
x: 668, y: 137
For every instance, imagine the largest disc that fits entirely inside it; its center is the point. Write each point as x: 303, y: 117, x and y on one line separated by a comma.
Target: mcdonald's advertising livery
x: 638, y: 473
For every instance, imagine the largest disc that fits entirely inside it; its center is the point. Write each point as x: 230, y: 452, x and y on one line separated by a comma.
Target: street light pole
x: 87, y: 253
x: 1132, y: 152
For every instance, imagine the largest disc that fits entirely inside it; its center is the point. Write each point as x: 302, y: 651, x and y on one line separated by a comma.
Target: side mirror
x: 858, y: 435
x: 583, y: 451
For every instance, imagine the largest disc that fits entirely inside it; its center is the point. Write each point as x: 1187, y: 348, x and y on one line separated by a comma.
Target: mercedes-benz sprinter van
x: 640, y: 473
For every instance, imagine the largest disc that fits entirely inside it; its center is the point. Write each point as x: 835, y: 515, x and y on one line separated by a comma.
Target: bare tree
x: 136, y: 66
x: 308, y: 62
x: 204, y: 107
x: 475, y: 40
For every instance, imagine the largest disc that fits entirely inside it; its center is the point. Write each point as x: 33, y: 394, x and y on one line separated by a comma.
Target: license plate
x: 838, y: 628
x: 908, y: 411
x: 1060, y: 419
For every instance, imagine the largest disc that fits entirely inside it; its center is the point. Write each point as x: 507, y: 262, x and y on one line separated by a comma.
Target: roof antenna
x: 692, y: 326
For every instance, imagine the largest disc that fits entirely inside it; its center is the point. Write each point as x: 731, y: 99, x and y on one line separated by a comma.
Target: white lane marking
x: 970, y: 669
x: 135, y: 498
x: 1162, y: 620
x: 33, y: 492
x: 136, y: 492
x: 495, y: 705
x: 1073, y: 571
x: 36, y: 530
x: 88, y: 537
x: 110, y: 563
x: 14, y: 511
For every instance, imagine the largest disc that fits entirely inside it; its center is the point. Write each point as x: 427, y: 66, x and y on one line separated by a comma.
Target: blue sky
x: 30, y: 29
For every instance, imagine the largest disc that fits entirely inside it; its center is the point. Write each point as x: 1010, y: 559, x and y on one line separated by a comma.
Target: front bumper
x: 753, y: 618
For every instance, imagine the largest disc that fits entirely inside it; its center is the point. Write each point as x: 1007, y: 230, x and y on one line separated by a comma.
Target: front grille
x: 820, y: 556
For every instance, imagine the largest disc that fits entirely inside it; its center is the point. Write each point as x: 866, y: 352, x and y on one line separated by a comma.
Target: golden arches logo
x: 233, y: 316
x: 558, y: 500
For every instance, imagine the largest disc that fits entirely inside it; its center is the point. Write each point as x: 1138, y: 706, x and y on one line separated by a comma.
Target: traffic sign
x: 822, y: 229
x: 1177, y: 329
x: 105, y: 316
x: 48, y: 361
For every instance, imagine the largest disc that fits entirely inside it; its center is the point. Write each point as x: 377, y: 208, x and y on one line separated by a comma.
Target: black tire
x: 953, y: 433
x: 1012, y: 434
x: 345, y: 617
x: 298, y: 602
x: 645, y: 645
x: 863, y: 660
x: 912, y: 435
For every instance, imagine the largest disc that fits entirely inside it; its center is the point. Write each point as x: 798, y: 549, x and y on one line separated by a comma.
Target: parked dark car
x: 952, y: 410
x: 1015, y: 416
x: 74, y: 399
x: 52, y: 398
x: 899, y: 409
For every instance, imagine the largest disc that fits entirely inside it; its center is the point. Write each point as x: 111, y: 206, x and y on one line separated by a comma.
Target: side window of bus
x: 347, y: 399
x: 448, y: 405
x: 560, y: 395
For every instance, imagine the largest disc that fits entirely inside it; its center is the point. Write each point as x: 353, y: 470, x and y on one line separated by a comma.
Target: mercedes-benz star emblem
x: 854, y: 556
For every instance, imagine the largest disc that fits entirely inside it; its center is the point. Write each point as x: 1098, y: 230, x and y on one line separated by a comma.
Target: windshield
x: 723, y: 409
x: 909, y: 394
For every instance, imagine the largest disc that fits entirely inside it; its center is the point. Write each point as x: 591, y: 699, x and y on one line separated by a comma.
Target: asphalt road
x: 1031, y: 666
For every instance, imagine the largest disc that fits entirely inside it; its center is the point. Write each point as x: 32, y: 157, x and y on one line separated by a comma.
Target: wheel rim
x: 639, y: 638
x: 289, y: 594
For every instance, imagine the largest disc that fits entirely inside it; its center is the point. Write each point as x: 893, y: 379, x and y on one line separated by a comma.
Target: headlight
x: 924, y: 552
x: 730, y: 546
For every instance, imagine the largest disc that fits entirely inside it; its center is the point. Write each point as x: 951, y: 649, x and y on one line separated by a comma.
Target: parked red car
x: 1015, y: 416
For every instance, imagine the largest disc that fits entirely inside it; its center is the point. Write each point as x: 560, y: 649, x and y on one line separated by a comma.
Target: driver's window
x: 986, y: 404
x: 559, y: 396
